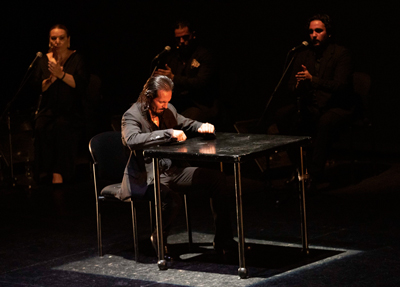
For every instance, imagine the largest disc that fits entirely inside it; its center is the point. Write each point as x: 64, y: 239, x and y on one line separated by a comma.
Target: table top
x: 226, y: 147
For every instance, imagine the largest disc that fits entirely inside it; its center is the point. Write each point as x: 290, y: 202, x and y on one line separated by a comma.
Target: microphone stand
x: 21, y: 85
x: 155, y: 66
x: 157, y: 57
x: 7, y: 111
x: 276, y: 88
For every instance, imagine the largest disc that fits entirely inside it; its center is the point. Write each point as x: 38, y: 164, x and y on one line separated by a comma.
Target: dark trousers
x: 206, y: 182
x: 322, y: 125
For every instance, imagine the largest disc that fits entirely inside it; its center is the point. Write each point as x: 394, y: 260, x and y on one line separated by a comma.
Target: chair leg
x: 99, y: 241
x: 354, y: 156
x: 135, y: 233
x: 98, y: 213
x: 370, y: 131
x: 151, y: 217
x: 188, y: 222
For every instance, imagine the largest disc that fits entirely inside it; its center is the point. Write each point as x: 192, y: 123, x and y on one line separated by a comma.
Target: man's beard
x: 155, y: 113
x: 322, y: 44
x: 185, y: 52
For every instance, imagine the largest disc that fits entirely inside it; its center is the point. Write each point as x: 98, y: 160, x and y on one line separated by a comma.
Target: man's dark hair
x: 151, y: 87
x: 182, y: 23
x: 324, y: 18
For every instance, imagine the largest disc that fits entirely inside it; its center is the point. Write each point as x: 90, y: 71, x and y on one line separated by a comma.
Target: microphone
x: 166, y: 49
x: 38, y: 55
x: 303, y: 44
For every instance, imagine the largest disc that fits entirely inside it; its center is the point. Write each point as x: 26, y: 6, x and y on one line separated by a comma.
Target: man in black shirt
x: 321, y: 81
x: 193, y: 70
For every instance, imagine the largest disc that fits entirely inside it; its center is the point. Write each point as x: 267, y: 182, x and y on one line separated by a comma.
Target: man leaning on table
x: 152, y: 120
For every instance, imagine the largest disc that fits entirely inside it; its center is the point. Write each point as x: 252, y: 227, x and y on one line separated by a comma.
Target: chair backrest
x: 362, y: 87
x: 362, y: 83
x: 109, y: 155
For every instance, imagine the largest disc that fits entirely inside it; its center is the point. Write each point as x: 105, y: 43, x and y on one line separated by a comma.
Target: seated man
x: 321, y: 82
x: 153, y: 121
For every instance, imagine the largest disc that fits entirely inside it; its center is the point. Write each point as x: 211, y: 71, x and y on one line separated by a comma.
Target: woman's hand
x: 52, y: 56
x: 51, y: 79
x: 55, y: 69
x: 47, y: 82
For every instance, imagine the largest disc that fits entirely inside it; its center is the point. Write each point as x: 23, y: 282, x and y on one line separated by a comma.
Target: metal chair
x: 363, y: 116
x: 109, y: 160
x: 362, y: 127
x: 357, y: 137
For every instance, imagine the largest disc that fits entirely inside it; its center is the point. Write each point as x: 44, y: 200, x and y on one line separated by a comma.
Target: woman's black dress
x: 59, y: 119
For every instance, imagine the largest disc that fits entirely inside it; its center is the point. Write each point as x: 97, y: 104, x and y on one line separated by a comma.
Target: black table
x: 227, y: 148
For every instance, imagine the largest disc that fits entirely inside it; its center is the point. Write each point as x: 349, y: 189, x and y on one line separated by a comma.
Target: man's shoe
x: 292, y: 180
x: 226, y: 247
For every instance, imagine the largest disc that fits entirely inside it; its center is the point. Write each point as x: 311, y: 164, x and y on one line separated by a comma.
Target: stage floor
x: 48, y: 235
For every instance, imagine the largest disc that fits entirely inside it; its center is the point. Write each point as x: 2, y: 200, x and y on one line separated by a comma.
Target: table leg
x: 303, y: 205
x: 242, y: 271
x: 162, y: 263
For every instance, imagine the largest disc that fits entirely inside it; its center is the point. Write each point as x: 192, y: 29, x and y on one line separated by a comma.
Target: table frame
x: 155, y: 152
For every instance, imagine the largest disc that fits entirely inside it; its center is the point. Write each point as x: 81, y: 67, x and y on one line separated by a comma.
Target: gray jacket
x: 139, y: 132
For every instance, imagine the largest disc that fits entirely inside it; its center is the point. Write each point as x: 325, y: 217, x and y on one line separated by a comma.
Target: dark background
x: 120, y: 38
